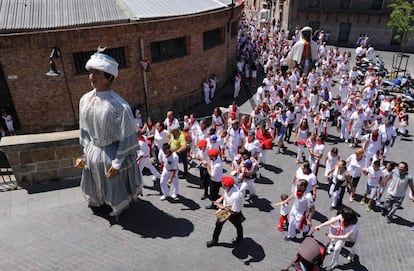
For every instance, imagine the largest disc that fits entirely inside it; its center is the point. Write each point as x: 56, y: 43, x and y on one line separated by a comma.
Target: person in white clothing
x: 316, y: 154
x: 343, y: 232
x: 232, y: 202
x: 170, y: 120
x: 340, y: 179
x: 372, y: 144
x: 388, y: 135
x: 302, y: 211
x: 161, y: 137
x: 237, y: 84
x: 8, y: 119
x: 213, y: 85
x: 206, y: 90
x: 305, y: 173
x: 357, y: 120
x: 143, y: 157
x: 356, y: 167
x: 331, y: 160
x: 374, y: 182
x: 235, y: 139
x: 169, y: 175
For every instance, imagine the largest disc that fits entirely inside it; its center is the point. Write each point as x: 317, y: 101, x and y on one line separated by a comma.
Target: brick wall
x: 43, y: 103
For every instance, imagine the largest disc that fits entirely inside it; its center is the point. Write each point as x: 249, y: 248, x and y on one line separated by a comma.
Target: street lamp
x: 56, y: 53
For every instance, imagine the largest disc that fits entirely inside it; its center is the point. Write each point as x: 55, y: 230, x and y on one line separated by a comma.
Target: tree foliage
x: 401, y: 20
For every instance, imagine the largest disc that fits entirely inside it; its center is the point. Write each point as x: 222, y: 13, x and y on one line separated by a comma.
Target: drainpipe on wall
x: 144, y: 74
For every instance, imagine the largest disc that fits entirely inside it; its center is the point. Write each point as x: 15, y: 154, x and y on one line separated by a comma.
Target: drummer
x: 231, y: 201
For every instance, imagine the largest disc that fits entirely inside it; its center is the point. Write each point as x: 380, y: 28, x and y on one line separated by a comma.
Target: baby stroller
x: 310, y: 256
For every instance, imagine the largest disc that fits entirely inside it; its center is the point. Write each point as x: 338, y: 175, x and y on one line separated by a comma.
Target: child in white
x: 331, y: 160
x: 284, y: 212
x: 169, y: 175
x: 143, y: 158
x: 386, y: 171
x: 375, y: 177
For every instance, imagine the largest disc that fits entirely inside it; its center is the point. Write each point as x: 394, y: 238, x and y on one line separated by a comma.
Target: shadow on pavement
x: 263, y: 204
x: 264, y: 180
x: 189, y: 203
x: 249, y: 250
x: 145, y: 219
x: 276, y: 170
x: 402, y: 221
x: 319, y: 217
x: 354, y: 265
x: 51, y: 186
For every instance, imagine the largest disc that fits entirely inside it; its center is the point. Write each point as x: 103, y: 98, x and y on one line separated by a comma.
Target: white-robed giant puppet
x: 108, y: 135
x: 304, y: 53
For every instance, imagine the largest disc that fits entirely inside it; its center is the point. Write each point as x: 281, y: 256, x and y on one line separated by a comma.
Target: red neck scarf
x: 299, y: 194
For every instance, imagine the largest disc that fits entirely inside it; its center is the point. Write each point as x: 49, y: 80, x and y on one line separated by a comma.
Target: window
x: 234, y: 28
x: 376, y: 4
x: 314, y: 3
x: 344, y: 4
x: 168, y: 49
x: 344, y: 29
x: 213, y: 38
x: 80, y: 58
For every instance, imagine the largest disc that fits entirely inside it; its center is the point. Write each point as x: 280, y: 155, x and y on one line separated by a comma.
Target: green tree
x: 401, y: 20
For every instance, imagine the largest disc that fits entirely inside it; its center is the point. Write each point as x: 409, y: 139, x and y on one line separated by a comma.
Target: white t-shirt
x: 216, y: 170
x: 310, y: 178
x: 354, y: 166
x: 234, y: 199
x: 374, y: 176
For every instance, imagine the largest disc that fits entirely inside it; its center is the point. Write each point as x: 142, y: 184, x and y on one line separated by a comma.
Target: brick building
x: 182, y: 45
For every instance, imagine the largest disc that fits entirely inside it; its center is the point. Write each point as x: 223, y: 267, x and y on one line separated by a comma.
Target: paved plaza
x: 55, y: 230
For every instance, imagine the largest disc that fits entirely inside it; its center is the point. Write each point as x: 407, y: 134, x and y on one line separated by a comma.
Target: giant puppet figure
x: 304, y: 53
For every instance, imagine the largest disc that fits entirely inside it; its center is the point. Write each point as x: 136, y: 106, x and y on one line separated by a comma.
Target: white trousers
x: 145, y: 162
x: 164, y: 183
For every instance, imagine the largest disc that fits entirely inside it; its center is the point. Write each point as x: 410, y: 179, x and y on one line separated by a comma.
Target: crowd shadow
x: 143, y: 218
x: 188, y: 203
x: 249, y: 251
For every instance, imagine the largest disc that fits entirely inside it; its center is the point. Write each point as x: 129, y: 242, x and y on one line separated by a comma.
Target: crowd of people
x: 294, y: 104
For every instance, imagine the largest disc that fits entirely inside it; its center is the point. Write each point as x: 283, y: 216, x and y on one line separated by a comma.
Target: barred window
x: 168, y: 49
x: 213, y: 38
x: 345, y: 4
x: 80, y: 58
x: 376, y: 4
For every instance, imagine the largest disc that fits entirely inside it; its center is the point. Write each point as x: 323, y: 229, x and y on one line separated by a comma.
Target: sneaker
x: 362, y: 202
x: 350, y: 257
x: 154, y: 178
x: 346, y: 140
x: 174, y: 197
x: 368, y: 209
x: 163, y: 197
x: 287, y: 238
x: 389, y: 220
x: 351, y: 145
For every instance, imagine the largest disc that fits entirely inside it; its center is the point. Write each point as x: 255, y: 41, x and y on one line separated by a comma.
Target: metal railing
x: 7, y: 179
